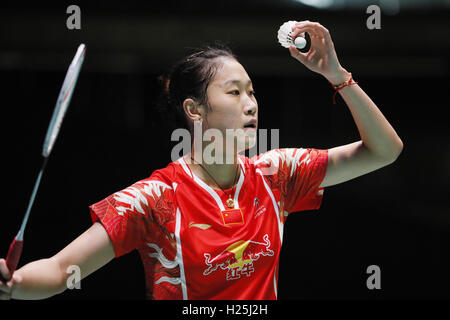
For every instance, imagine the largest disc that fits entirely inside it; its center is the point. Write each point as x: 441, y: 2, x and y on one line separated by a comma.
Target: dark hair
x: 189, y: 78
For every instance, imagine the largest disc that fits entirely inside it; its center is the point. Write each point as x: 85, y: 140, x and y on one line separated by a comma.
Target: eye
x: 234, y: 92
x: 252, y: 92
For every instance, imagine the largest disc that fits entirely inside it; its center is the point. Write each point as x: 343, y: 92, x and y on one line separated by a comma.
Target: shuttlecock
x: 285, y: 38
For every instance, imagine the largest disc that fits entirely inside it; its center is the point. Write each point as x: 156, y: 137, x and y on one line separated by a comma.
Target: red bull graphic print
x: 238, y: 258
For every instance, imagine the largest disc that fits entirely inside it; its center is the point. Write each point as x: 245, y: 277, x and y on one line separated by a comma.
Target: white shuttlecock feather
x: 285, y: 38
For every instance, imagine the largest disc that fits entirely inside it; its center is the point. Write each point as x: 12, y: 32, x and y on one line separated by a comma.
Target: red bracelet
x: 346, y: 83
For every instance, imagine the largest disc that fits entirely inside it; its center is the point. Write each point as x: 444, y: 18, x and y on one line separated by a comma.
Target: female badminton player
x: 214, y: 230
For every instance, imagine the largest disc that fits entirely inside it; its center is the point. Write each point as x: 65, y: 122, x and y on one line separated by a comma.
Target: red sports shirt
x: 192, y: 245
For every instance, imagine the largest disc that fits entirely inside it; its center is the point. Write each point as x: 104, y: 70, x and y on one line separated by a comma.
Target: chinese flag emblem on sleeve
x: 232, y: 216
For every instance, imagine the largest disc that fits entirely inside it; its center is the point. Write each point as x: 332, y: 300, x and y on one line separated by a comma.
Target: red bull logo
x: 238, y: 258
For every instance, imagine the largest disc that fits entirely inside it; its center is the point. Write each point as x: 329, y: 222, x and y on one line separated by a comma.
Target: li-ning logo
x: 238, y: 258
x: 258, y: 211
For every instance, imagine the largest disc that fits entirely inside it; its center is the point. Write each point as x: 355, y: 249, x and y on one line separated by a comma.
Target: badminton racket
x: 62, y: 103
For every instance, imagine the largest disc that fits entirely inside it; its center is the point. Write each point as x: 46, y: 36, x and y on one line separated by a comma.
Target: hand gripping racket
x: 62, y: 103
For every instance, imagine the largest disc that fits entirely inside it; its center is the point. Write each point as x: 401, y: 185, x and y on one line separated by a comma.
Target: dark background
x: 397, y: 217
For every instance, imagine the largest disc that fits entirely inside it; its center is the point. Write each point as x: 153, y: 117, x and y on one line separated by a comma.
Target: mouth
x: 250, y: 125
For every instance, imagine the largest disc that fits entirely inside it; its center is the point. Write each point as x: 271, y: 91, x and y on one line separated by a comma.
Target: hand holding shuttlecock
x: 320, y: 56
x: 285, y: 38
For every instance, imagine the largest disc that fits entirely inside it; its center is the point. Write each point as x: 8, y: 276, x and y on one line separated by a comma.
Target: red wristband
x: 346, y: 83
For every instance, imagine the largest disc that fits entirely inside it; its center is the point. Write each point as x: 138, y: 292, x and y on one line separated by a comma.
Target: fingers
x: 4, y: 272
x: 7, y: 288
x: 300, y: 56
x: 5, y: 291
x: 314, y: 29
x: 5, y: 296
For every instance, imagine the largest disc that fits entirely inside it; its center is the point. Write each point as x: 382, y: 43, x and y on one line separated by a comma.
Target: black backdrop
x: 396, y: 217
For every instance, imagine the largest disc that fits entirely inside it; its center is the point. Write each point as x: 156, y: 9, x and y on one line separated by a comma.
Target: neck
x: 222, y: 175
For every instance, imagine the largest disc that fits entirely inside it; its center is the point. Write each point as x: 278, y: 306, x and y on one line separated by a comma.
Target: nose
x: 250, y: 108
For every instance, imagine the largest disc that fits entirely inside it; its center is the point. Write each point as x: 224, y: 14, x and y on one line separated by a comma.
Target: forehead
x: 230, y: 70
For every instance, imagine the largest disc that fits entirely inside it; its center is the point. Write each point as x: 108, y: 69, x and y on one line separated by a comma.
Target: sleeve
x: 128, y: 215
x: 296, y: 174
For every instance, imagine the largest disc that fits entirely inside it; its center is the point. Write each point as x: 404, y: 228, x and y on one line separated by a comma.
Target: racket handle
x: 14, y: 252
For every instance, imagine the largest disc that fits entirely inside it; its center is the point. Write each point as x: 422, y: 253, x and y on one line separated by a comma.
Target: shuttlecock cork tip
x: 300, y: 42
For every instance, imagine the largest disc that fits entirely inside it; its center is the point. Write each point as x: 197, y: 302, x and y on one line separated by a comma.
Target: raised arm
x: 379, y: 145
x: 44, y: 278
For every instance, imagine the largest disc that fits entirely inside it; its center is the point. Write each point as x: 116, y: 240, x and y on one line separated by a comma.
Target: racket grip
x: 14, y: 252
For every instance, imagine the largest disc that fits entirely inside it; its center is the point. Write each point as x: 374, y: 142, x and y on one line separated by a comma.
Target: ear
x: 193, y: 110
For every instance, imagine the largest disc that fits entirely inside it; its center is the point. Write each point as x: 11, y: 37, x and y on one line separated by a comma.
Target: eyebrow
x: 237, y: 82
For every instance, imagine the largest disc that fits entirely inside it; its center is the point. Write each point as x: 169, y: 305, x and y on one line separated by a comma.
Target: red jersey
x: 193, y: 246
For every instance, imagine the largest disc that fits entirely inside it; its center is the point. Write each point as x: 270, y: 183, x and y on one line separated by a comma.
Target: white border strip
x: 180, y: 255
x: 238, y: 186
x: 275, y: 206
x: 275, y: 282
x: 242, y: 164
x: 210, y: 191
x: 185, y: 167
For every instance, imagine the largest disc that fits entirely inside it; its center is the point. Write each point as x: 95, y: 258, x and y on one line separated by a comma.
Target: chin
x: 246, y: 141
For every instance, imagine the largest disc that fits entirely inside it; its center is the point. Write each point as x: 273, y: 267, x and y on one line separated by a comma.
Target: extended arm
x: 44, y: 278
